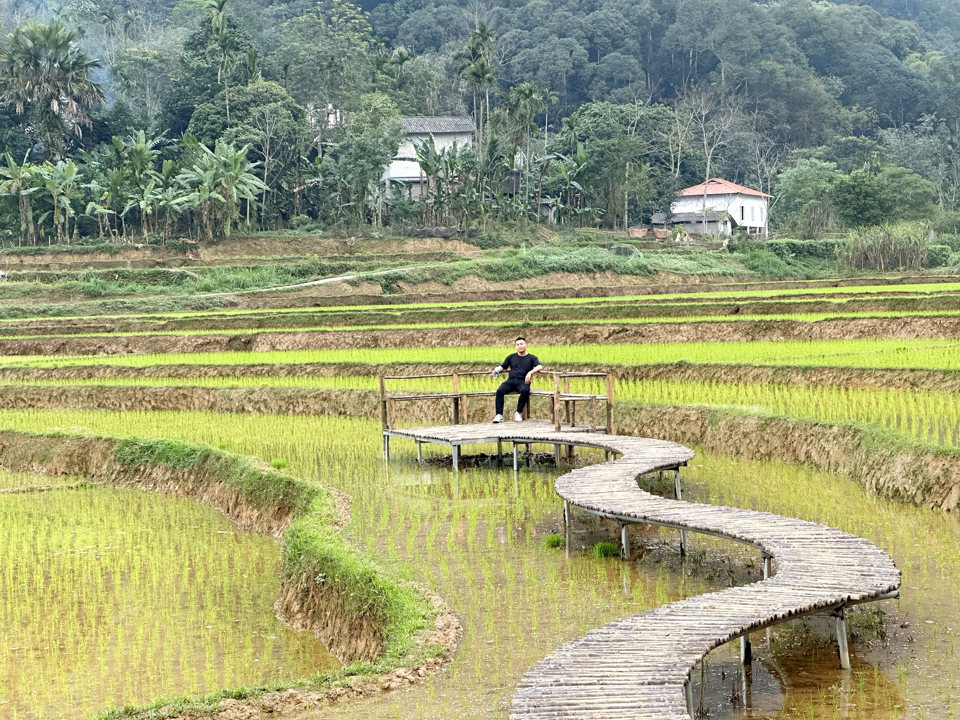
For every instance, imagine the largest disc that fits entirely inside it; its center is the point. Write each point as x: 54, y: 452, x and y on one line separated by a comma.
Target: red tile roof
x: 719, y: 186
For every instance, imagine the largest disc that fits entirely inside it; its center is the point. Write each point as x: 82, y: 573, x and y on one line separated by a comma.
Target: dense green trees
x: 592, y: 111
x: 45, y: 77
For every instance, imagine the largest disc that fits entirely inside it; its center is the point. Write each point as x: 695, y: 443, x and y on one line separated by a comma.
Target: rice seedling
x: 115, y: 596
x: 936, y: 354
x: 929, y: 417
x: 553, y: 540
x: 605, y: 549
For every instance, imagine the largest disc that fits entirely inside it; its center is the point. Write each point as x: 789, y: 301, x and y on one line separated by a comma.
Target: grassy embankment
x: 380, y: 625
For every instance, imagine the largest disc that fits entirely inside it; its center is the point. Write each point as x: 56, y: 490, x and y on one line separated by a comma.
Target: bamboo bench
x: 563, y: 402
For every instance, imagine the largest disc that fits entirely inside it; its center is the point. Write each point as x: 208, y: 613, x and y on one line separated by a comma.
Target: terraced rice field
x: 477, y: 540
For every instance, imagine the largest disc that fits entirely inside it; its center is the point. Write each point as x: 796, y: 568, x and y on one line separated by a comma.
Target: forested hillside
x: 847, y: 112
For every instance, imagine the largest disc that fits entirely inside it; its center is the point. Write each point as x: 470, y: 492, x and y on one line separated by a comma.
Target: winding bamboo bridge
x: 639, y: 667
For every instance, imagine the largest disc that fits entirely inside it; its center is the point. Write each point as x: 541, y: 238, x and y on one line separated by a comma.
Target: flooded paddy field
x: 480, y: 542
x: 112, y: 597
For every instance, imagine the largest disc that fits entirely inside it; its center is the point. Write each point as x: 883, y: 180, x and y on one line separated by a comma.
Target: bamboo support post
x: 383, y: 404
x: 609, y: 382
x: 455, y: 378
x: 843, y: 649
x: 678, y: 494
x: 624, y: 542
x: 556, y: 403
x: 746, y: 651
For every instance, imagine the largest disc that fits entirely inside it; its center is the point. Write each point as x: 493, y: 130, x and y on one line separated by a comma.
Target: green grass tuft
x: 553, y: 540
x: 605, y: 548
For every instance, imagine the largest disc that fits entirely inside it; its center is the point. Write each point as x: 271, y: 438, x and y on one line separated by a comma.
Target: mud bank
x: 269, y: 321
x: 941, y: 380
x: 907, y: 472
x: 260, y: 401
x: 545, y: 334
x: 346, y: 613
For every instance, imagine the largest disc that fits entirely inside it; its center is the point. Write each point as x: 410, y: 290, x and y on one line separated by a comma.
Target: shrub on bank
x: 904, y: 246
x: 822, y: 249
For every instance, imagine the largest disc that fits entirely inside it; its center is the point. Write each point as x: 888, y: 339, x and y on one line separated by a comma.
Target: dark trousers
x: 509, y: 387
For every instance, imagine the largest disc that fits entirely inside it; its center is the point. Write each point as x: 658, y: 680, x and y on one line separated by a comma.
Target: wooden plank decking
x: 637, y: 667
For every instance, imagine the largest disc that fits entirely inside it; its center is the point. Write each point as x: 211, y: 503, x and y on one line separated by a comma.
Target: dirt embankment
x: 616, y: 311
x: 260, y: 401
x: 94, y: 459
x: 240, y: 250
x: 545, y: 334
x: 910, y: 473
x: 194, y: 398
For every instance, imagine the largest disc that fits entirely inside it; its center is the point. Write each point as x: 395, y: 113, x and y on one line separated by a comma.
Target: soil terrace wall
x: 942, y: 380
x: 321, y: 608
x: 545, y: 334
x: 911, y: 473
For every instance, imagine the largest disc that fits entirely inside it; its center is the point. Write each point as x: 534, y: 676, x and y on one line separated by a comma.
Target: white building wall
x: 405, y: 166
x: 747, y: 211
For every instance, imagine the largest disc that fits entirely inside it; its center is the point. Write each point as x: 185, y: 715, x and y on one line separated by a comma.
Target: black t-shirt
x: 519, y: 365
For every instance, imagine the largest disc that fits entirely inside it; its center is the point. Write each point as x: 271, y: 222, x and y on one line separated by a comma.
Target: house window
x: 741, y: 213
x: 752, y: 214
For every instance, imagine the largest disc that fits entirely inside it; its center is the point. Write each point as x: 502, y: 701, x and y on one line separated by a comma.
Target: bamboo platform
x: 639, y: 667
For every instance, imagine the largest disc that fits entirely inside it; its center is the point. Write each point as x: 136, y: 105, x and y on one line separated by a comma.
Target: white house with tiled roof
x: 734, y: 206
x: 446, y: 132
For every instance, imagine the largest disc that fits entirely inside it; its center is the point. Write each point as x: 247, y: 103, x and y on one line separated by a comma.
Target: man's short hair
x: 520, y: 338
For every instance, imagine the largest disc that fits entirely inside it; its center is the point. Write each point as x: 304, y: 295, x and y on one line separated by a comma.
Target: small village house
x: 446, y: 132
x: 718, y: 207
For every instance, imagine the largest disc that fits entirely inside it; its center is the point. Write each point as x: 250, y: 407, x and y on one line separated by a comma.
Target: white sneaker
x: 498, y: 418
x: 517, y: 417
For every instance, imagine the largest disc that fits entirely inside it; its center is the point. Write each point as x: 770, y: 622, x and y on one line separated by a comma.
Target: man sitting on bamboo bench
x: 523, y: 366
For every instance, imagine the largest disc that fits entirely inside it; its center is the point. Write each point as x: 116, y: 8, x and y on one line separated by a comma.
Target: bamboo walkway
x: 638, y: 667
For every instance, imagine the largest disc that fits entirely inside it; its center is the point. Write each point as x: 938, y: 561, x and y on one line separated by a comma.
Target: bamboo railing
x: 564, y: 402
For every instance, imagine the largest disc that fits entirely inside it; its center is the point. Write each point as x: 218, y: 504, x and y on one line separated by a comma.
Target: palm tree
x: 476, y: 67
x: 44, y: 75
x: 523, y: 103
x: 21, y: 181
x: 61, y: 182
x: 227, y: 44
x: 480, y: 78
x: 219, y: 179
